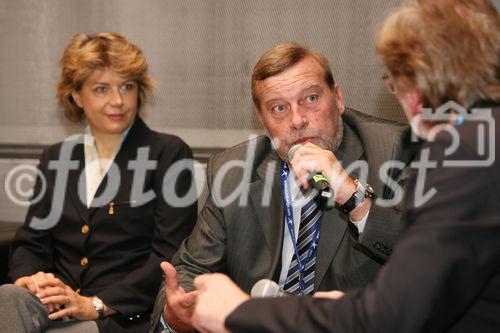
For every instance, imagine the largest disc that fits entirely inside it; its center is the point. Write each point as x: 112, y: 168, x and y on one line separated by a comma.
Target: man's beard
x: 321, y: 140
x: 332, y: 144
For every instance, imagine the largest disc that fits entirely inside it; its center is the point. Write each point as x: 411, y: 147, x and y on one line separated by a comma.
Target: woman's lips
x: 116, y: 116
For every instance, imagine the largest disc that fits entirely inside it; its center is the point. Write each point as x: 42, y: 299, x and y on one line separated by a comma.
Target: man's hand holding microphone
x: 319, y: 168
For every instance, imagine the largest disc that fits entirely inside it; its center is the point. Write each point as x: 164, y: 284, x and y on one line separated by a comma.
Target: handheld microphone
x: 317, y: 180
x: 267, y: 288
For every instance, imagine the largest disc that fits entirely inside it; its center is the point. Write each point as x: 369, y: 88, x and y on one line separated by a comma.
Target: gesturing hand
x: 179, y: 304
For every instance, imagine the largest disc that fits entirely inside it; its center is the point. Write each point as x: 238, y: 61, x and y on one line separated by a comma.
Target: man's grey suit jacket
x: 243, y: 238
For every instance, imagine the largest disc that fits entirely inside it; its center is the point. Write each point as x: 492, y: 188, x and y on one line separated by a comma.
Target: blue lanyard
x: 287, y: 207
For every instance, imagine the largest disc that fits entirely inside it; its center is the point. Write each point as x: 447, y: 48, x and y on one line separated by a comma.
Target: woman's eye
x: 128, y: 86
x: 101, y: 89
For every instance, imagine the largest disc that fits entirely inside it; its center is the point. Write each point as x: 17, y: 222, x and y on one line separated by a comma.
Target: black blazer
x: 123, y: 245
x: 444, y: 274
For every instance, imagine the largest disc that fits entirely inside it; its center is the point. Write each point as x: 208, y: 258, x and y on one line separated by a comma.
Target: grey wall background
x: 201, y: 53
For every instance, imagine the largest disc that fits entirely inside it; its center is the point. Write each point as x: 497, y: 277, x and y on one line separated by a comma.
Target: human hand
x: 334, y: 294
x: 218, y: 297
x: 179, y: 304
x: 66, y: 302
x: 311, y: 158
x: 32, y: 284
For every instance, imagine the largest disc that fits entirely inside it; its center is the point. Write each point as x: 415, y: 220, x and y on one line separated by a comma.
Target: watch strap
x: 99, y: 306
x: 357, y: 197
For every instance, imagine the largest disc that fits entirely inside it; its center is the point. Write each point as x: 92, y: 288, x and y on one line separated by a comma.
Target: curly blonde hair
x: 87, y: 53
x: 446, y: 49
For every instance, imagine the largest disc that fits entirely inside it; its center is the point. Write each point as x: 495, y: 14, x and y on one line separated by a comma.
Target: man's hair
x: 282, y: 57
x: 87, y: 53
x: 446, y: 49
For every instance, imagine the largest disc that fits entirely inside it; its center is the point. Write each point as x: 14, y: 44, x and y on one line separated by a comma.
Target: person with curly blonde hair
x: 94, y: 265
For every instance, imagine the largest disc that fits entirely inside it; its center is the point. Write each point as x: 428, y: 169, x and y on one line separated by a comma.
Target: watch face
x: 360, y: 196
x: 98, y: 304
x: 369, y: 191
x: 99, y: 307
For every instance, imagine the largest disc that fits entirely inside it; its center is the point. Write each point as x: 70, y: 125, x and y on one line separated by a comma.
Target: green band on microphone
x: 319, y: 177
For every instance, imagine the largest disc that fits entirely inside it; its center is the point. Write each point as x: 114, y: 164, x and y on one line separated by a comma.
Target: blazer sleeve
x: 31, y: 250
x: 384, y: 225
x: 204, y: 250
x: 135, y: 292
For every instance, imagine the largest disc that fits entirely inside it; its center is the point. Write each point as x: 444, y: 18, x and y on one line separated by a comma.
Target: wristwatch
x: 358, y: 197
x: 99, y: 306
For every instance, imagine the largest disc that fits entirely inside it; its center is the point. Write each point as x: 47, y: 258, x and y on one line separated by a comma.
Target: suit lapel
x: 269, y: 214
x: 126, y: 153
x: 333, y: 227
x: 351, y: 149
x: 74, y: 179
x: 332, y: 232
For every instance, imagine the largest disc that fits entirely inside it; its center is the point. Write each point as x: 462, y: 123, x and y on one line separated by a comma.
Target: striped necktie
x: 310, y: 215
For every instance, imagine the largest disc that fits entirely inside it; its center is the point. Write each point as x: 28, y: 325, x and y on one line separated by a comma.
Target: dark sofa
x: 7, y: 231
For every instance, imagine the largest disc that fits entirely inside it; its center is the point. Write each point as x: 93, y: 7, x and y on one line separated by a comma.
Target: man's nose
x: 299, y: 117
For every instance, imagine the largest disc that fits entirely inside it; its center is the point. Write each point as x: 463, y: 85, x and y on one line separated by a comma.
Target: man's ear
x: 339, y: 97
x: 414, y: 101
x: 76, y: 98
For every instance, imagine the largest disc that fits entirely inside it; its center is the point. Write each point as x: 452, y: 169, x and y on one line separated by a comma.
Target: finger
x: 36, y: 280
x: 297, y: 167
x: 303, y: 171
x: 335, y: 294
x: 171, y: 280
x: 310, y: 148
x: 40, y: 276
x: 51, y: 281
x: 204, y: 281
x: 303, y: 178
x: 22, y: 282
x: 189, y: 299
x: 57, y: 300
x: 53, y: 291
x: 60, y: 314
x: 307, y: 150
x: 200, y: 281
x: 32, y: 286
x: 51, y: 307
x: 322, y: 156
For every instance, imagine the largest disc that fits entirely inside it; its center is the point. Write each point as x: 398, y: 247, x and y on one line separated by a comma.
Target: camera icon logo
x: 449, y: 117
